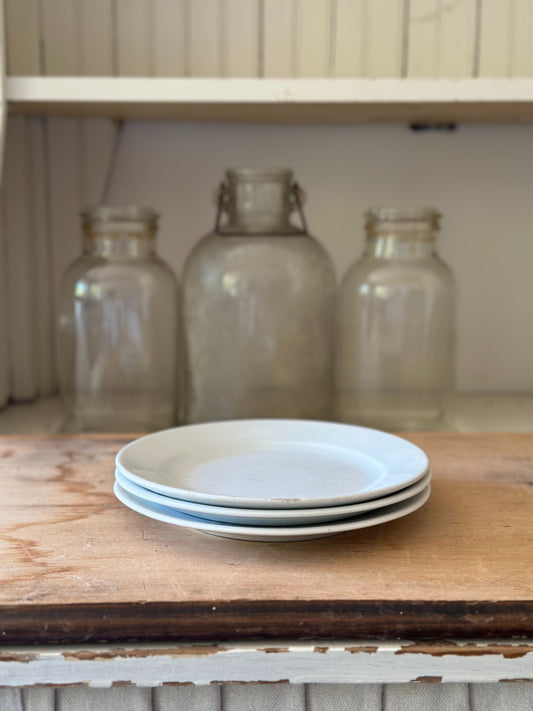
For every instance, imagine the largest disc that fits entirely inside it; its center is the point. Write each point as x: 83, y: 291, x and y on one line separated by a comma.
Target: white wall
x: 481, y: 177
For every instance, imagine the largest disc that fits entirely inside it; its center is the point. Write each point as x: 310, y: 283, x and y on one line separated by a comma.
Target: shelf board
x: 285, y: 100
x: 467, y: 412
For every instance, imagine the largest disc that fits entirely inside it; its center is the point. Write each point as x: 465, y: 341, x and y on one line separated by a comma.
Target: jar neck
x: 119, y: 232
x: 258, y: 202
x: 119, y: 245
x: 394, y: 233
x: 392, y: 246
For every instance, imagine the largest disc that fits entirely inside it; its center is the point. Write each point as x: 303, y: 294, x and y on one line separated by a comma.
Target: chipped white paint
x: 297, y: 663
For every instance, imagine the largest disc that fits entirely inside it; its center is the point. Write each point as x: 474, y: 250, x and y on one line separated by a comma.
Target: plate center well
x: 293, y: 473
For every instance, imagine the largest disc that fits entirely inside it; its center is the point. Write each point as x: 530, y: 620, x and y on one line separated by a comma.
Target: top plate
x: 277, y: 464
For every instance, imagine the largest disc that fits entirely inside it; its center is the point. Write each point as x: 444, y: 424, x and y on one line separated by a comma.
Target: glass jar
x: 395, y: 343
x: 118, y: 327
x: 258, y: 307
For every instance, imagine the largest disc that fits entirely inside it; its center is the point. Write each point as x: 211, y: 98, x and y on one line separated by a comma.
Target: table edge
x: 235, y: 620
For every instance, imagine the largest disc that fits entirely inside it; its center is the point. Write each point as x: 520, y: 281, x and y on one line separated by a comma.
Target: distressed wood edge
x: 242, y: 620
x: 278, y: 661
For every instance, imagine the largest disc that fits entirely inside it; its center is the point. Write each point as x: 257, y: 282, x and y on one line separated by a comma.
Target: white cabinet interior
x: 479, y: 175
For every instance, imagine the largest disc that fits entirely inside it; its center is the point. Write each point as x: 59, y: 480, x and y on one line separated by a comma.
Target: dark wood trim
x: 256, y: 620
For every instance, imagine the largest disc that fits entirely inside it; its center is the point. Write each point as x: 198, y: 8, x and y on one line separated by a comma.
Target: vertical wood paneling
x: 522, y: 32
x: 313, y: 38
x: 10, y: 700
x: 4, y: 353
x: 98, y: 137
x: 318, y: 697
x: 38, y: 699
x: 133, y: 34
x: 96, y: 37
x: 278, y: 38
x: 509, y: 696
x: 189, y: 698
x: 347, y: 696
x: 240, y: 33
x: 457, y: 38
x: 25, y: 371
x: 22, y: 34
x: 349, y: 40
x: 495, y: 38
x: 60, y: 28
x: 443, y: 38
x: 88, y: 699
x: 169, y: 41
x: 204, y: 35
x: 289, y: 697
x: 423, y: 36
x: 43, y: 321
x: 3, y: 100
x: 438, y: 697
x: 384, y: 38
x: 4, y: 322
x: 20, y: 262
x: 65, y: 181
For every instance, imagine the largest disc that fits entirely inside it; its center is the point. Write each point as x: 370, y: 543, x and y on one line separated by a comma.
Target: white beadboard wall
x: 274, y: 38
x: 480, y: 176
x: 514, y: 696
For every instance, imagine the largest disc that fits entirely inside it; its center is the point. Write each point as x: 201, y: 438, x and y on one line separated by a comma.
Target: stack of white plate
x: 272, y: 480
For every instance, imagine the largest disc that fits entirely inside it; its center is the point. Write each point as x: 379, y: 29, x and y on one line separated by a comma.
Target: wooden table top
x: 77, y: 566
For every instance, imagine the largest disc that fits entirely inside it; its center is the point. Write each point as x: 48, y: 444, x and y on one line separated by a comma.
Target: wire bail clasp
x: 221, y: 199
x: 296, y: 200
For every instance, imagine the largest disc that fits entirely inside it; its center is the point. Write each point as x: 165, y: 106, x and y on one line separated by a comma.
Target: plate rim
x: 331, y: 513
x: 276, y: 532
x: 235, y: 501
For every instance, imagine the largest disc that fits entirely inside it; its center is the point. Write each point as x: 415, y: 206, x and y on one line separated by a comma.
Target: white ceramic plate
x: 271, y: 533
x: 270, y: 517
x: 272, y: 463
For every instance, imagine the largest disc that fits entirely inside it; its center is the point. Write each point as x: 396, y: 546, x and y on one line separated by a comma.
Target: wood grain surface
x: 78, y: 566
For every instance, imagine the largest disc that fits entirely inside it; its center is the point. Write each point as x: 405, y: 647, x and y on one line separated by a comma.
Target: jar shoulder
x: 95, y: 279
x: 93, y: 269
x: 218, y: 253
x: 373, y: 271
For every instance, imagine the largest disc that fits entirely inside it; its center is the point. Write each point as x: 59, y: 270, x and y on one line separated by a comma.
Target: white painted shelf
x: 296, y: 100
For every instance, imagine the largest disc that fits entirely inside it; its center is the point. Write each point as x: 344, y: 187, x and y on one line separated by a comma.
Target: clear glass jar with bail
x: 118, y: 327
x: 395, y: 342
x: 258, y: 299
